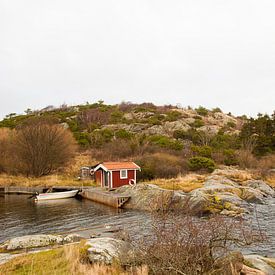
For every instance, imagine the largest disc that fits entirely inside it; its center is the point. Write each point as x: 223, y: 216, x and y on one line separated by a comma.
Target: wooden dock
x: 104, y: 197
x: 94, y: 194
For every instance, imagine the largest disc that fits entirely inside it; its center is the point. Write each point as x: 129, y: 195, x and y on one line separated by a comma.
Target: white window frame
x: 126, y: 174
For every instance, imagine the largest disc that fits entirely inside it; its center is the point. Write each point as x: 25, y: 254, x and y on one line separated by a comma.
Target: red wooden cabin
x: 116, y: 174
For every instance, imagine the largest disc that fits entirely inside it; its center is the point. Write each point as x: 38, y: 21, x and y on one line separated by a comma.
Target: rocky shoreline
x: 107, y: 250
x: 228, y: 192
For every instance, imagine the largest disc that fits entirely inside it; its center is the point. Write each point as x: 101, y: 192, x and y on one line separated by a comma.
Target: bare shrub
x: 89, y: 118
x: 41, y: 147
x: 246, y: 159
x: 5, y: 156
x: 127, y: 106
x: 119, y: 149
x: 265, y: 164
x: 160, y: 165
x: 188, y: 245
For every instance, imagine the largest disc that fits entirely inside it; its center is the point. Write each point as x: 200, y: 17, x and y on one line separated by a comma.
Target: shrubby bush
x: 173, y: 115
x: 202, y: 151
x: 197, y: 123
x: 116, y: 116
x: 100, y: 137
x: 201, y: 163
x: 123, y: 134
x: 202, y: 111
x: 166, y: 142
x: 160, y: 165
x: 230, y: 157
x: 216, y: 110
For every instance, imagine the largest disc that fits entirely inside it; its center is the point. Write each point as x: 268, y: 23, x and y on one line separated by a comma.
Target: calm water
x: 21, y: 216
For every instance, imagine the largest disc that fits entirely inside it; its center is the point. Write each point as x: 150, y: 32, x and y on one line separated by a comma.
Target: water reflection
x: 21, y: 216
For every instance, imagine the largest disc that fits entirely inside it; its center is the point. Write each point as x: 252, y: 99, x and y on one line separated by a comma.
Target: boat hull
x: 56, y: 195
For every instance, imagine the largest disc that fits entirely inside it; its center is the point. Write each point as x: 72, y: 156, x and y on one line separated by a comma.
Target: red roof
x: 120, y: 165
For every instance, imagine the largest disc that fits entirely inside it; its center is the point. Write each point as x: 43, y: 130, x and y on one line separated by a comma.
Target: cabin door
x: 106, y: 179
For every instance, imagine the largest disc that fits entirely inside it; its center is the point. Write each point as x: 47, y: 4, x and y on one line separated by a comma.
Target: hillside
x: 143, y: 118
x: 165, y: 140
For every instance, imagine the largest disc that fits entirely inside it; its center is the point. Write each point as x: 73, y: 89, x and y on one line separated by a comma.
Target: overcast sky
x: 192, y: 52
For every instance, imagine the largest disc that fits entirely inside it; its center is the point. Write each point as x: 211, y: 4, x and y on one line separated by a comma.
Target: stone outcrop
x: 146, y: 197
x: 106, y: 249
x: 227, y: 191
x: 266, y: 265
x: 41, y: 240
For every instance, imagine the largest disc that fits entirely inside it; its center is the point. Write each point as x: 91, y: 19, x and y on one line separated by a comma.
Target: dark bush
x: 166, y: 142
x: 172, y: 115
x: 202, y: 151
x: 201, y: 163
x: 230, y: 157
x: 202, y: 111
x: 123, y: 134
x: 197, y: 123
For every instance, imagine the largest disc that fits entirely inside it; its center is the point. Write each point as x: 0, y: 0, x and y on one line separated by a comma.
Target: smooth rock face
x: 31, y: 241
x: 106, y: 249
x: 146, y: 197
x: 246, y: 270
x: 261, y: 263
x: 261, y: 186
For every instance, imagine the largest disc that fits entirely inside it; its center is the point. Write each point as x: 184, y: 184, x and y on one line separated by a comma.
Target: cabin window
x: 123, y: 174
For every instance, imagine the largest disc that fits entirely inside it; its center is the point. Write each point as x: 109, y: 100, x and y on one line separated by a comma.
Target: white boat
x: 56, y: 195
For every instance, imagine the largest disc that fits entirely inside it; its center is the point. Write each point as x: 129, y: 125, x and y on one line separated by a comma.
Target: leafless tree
x: 40, y: 147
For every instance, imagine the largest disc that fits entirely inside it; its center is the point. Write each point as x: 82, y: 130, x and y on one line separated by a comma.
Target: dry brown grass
x: 186, y: 183
x: 73, y: 168
x: 52, y: 180
x: 271, y: 181
x: 234, y: 174
x: 66, y: 177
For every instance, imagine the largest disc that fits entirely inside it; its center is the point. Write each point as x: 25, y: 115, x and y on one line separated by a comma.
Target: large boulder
x: 209, y: 129
x: 171, y: 126
x: 106, y: 250
x: 41, y: 240
x: 155, y: 130
x: 146, y: 197
x: 234, y: 174
x: 261, y: 186
x: 264, y: 264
